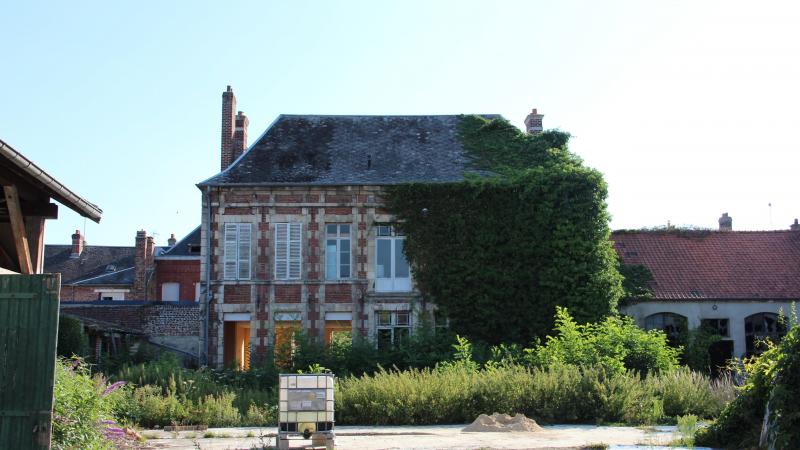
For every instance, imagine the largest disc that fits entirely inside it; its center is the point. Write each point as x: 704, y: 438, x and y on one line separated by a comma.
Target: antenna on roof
x: 770, y: 214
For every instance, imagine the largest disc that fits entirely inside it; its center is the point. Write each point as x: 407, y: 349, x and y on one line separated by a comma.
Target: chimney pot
x: 795, y: 226
x: 171, y: 241
x: 725, y: 222
x: 533, y: 123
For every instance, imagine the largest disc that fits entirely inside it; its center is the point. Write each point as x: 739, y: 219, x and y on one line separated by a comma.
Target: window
x: 112, y: 294
x: 337, y: 251
x: 392, y: 273
x: 170, y: 292
x: 391, y: 327
x: 716, y: 326
x: 673, y: 325
x: 237, y: 251
x: 760, y: 327
x: 287, y: 251
x: 338, y: 327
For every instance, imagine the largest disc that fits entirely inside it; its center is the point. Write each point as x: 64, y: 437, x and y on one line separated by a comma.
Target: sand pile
x: 502, y: 423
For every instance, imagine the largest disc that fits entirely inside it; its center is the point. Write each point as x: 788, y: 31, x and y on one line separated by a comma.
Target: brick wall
x: 79, y: 293
x: 181, y: 271
x: 149, y: 318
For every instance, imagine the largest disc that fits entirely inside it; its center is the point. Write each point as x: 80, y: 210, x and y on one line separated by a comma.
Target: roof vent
x: 111, y: 268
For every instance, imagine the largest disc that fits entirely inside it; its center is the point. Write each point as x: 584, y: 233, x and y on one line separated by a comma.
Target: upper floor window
x: 392, y: 273
x: 238, y: 243
x: 288, y: 253
x: 337, y: 251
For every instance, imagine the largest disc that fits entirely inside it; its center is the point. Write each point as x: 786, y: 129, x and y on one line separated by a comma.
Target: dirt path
x: 420, y: 437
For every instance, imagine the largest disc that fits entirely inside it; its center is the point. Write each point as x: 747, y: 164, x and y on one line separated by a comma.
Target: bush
x: 72, y: 341
x: 83, y: 408
x: 772, y: 378
x: 685, y: 392
x: 456, y: 393
x: 615, y: 344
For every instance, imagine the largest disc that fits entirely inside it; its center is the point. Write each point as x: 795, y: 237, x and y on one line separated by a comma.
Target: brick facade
x: 185, y: 272
x: 266, y: 300
x: 148, y: 318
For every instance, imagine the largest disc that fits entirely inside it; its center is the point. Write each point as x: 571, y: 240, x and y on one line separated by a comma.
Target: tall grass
x: 560, y: 394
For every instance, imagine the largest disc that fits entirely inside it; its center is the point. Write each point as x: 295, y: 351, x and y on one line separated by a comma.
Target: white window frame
x: 339, y: 247
x: 238, y: 249
x: 393, y: 325
x: 171, y: 284
x: 288, y: 241
x: 392, y: 283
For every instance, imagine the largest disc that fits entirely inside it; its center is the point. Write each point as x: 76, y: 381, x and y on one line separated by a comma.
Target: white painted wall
x: 695, y: 310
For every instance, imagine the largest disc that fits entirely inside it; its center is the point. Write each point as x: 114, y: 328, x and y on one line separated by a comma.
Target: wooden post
x: 18, y: 229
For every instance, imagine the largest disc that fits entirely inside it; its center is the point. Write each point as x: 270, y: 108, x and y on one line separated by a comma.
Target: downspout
x: 207, y: 300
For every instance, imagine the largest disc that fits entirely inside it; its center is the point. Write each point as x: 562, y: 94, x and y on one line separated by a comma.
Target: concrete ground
x: 420, y: 437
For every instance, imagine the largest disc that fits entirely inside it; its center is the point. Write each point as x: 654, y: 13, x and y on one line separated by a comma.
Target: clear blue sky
x: 690, y: 109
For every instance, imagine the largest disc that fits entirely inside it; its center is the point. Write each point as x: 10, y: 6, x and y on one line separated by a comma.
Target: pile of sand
x: 503, y: 423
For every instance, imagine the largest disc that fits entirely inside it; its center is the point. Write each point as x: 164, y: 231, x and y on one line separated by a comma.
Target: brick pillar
x: 533, y: 123
x: 228, y: 108
x: 239, y: 136
x: 725, y: 222
x: 140, y: 266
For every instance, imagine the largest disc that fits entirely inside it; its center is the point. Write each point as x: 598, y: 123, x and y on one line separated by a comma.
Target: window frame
x: 233, y: 236
x: 338, y: 238
x: 392, y: 283
x: 288, y: 260
x: 392, y: 326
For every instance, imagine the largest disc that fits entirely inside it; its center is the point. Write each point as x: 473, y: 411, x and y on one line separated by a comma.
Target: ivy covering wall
x: 525, y: 231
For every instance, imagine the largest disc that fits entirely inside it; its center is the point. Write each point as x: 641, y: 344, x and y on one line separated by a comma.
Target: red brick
x: 288, y: 198
x: 237, y: 293
x: 241, y: 211
x: 338, y: 199
x: 338, y: 293
x: 287, y: 293
x: 338, y: 211
x: 287, y: 210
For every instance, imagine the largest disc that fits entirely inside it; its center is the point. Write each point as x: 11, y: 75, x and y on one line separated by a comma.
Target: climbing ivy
x: 525, y: 231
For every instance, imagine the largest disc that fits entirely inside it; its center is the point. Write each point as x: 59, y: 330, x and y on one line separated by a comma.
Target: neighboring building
x: 177, y: 276
x: 735, y: 282
x: 294, y: 235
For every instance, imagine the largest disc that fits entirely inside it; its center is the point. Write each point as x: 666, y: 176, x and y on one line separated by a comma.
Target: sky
x: 690, y: 109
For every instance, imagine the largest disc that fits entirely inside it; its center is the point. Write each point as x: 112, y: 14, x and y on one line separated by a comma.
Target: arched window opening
x: 673, y: 325
x: 761, y: 327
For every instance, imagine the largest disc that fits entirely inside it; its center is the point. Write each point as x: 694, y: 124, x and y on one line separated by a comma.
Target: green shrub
x: 83, y: 408
x: 615, y: 344
x: 685, y: 391
x: 455, y: 393
x: 774, y: 378
x: 72, y: 341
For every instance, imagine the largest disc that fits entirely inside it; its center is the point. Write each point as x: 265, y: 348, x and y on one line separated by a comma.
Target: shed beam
x: 18, y: 229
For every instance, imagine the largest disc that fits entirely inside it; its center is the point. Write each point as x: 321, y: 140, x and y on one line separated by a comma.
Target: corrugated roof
x: 716, y: 265
x: 351, y: 150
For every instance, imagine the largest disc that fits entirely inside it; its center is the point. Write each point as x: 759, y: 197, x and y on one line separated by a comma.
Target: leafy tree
x: 525, y: 231
x: 72, y: 341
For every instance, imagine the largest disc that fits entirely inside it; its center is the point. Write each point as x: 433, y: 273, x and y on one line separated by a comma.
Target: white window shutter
x: 281, y: 250
x: 295, y: 250
x: 245, y: 239
x: 231, y: 251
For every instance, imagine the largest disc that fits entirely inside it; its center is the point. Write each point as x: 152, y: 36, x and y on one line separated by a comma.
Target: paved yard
x: 420, y: 437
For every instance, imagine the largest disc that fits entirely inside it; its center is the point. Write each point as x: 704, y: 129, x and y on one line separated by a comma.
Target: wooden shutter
x: 295, y: 249
x: 244, y: 250
x: 231, y: 251
x: 281, y: 250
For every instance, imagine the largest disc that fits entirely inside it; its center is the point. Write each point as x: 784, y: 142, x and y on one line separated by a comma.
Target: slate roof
x: 716, y: 265
x: 93, y: 262
x: 182, y: 247
x: 351, y: 150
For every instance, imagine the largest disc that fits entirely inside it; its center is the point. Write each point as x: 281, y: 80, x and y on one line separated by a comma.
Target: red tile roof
x: 716, y: 265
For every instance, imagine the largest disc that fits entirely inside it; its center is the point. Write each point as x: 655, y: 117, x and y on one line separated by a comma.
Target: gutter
x: 207, y: 300
x: 57, y: 190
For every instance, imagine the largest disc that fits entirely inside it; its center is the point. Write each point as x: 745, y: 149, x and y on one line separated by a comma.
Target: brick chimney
x: 725, y: 222
x: 140, y: 266
x: 533, y: 123
x: 171, y: 241
x: 234, y: 130
x: 77, y: 244
x: 795, y: 226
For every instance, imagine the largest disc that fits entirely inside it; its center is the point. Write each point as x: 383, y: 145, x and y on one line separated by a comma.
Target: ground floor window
x: 286, y: 327
x: 716, y: 326
x: 673, y: 325
x: 761, y: 327
x: 391, y: 327
x: 338, y: 327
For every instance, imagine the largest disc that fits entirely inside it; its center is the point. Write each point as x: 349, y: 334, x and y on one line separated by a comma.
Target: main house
x: 736, y: 283
x: 294, y: 233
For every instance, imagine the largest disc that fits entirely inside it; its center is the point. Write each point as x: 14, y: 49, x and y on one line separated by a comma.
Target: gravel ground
x: 421, y: 437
